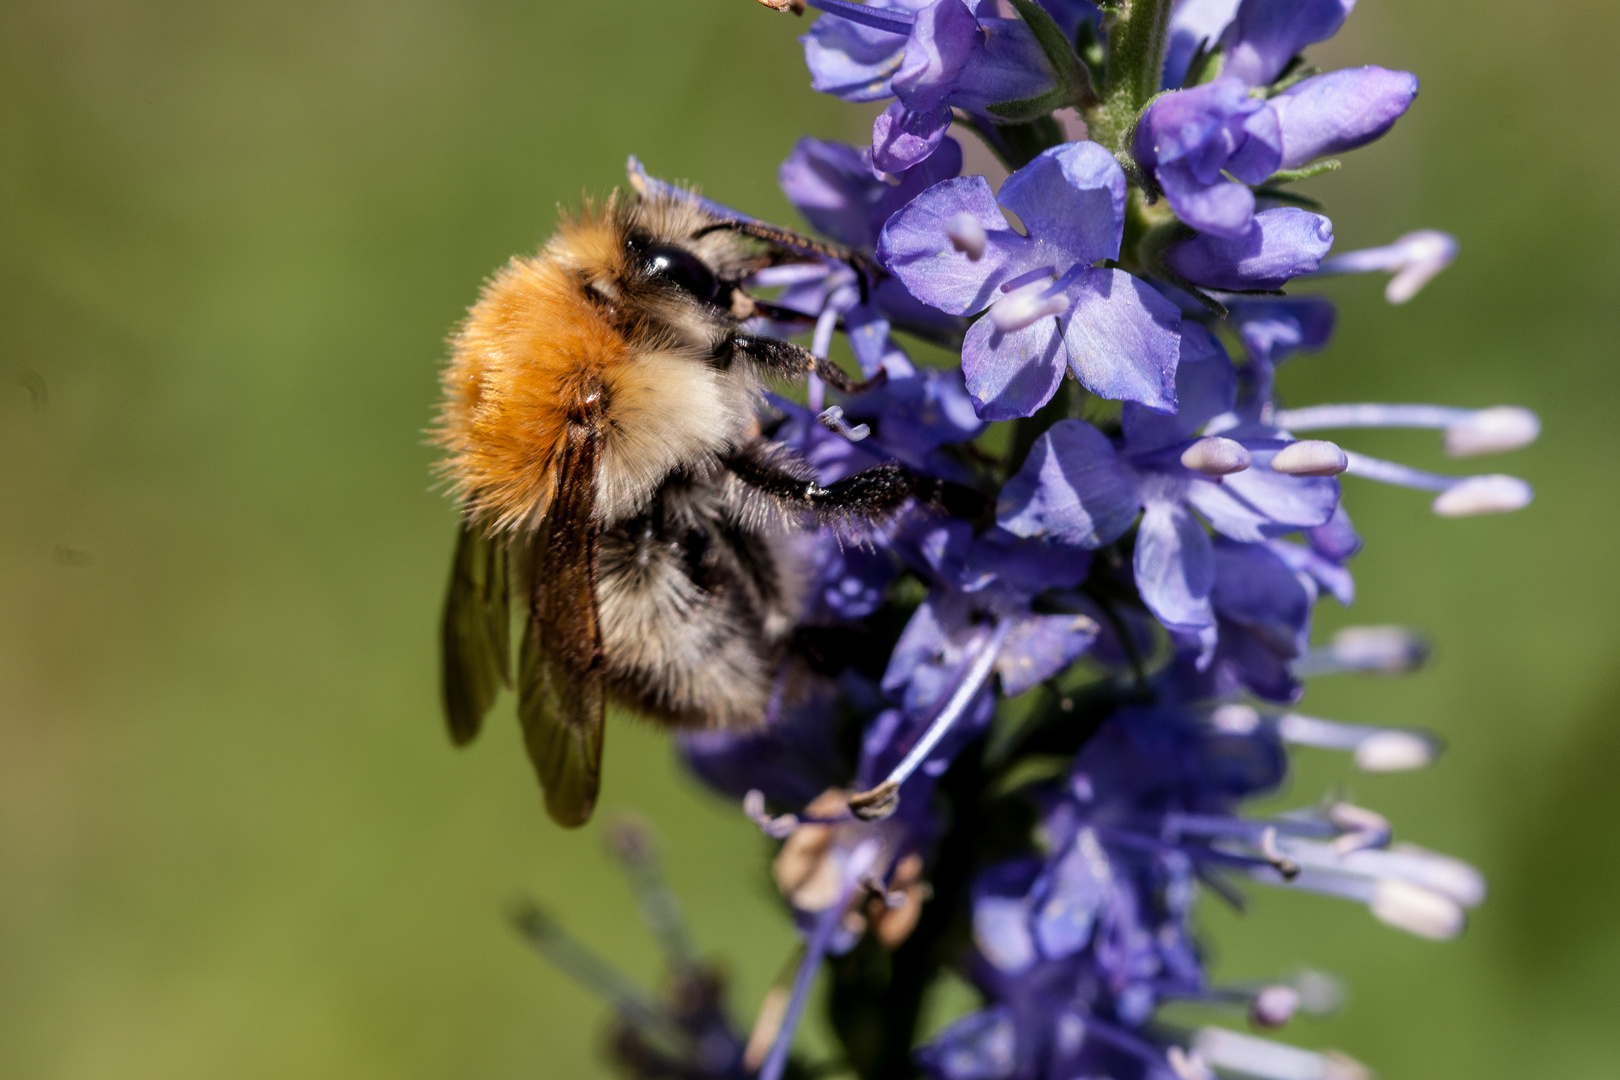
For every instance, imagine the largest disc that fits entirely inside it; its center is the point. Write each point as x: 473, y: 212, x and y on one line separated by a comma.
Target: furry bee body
x: 600, y: 429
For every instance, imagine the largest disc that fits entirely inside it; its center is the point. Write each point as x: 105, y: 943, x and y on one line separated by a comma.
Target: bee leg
x: 789, y: 361
x: 870, y: 493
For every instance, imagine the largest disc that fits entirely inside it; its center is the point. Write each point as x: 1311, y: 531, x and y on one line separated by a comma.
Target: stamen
x: 1028, y: 277
x: 1215, y: 456
x: 1387, y: 650
x: 1363, y: 828
x: 1274, y: 1006
x: 1019, y: 309
x: 1310, y: 457
x: 1188, y: 1066
x: 884, y: 799
x: 777, y: 828
x: 1494, y: 494
x: 1492, y: 431
x: 1375, y: 749
x: 832, y: 418
x: 1235, y: 719
x: 1460, y: 496
x: 1415, y: 258
x: 967, y: 236
x: 579, y: 963
x: 633, y: 844
x: 1248, y: 1055
x: 1285, y: 866
x: 860, y: 862
x: 892, y: 20
x: 1417, y: 910
x: 1468, y: 431
x: 1394, y: 751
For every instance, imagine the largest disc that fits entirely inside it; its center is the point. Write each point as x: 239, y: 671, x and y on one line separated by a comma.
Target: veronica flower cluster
x: 1016, y: 749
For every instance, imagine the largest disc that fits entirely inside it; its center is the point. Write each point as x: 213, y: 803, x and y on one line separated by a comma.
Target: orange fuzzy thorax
x: 529, y: 351
x: 535, y: 347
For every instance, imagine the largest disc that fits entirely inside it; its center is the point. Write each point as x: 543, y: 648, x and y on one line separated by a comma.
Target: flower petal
x: 915, y: 248
x: 1071, y: 489
x: 902, y: 137
x: 1012, y: 374
x: 1267, y: 33
x: 1280, y: 245
x: 1071, y: 197
x: 1175, y: 566
x: 1123, y: 338
x: 1339, y: 111
x: 1040, y: 646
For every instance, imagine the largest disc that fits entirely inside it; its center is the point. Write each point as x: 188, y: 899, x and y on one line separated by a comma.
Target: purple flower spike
x: 1282, y: 244
x: 1047, y: 303
x: 1267, y: 33
x: 1193, y: 140
x: 1339, y: 111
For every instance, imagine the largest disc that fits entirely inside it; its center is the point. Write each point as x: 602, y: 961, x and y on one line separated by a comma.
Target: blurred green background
x: 233, y: 839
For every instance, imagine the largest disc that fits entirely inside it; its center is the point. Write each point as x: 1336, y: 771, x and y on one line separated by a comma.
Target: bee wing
x: 474, y: 634
x: 561, y: 689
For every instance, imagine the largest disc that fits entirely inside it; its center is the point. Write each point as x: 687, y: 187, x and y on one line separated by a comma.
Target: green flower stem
x: 1136, y: 44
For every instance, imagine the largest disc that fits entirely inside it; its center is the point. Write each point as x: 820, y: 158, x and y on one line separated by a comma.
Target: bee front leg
x: 785, y: 360
x: 870, y: 494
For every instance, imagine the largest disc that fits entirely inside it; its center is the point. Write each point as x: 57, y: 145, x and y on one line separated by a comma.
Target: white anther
x: 1215, y: 456
x: 1188, y: 1066
x: 1423, y: 255
x: 1235, y: 719
x: 1249, y: 1055
x: 967, y: 236
x: 1492, y: 431
x: 1310, y: 457
x: 1493, y: 494
x: 832, y: 418
x: 1363, y: 828
x: 1274, y: 1006
x: 1393, y: 751
x: 1417, y: 910
x: 1025, y: 306
x: 1389, y: 649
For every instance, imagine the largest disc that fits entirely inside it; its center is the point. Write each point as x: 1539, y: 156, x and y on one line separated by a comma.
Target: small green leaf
x: 1024, y: 110
x: 1315, y: 168
x: 1074, y: 79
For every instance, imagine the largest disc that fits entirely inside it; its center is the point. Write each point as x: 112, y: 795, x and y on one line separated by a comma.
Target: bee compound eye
x: 682, y: 269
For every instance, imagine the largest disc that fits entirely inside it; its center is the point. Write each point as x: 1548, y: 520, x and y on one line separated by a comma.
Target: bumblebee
x: 601, y: 435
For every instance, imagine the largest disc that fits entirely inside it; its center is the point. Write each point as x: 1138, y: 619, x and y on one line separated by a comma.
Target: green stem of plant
x: 1136, y: 44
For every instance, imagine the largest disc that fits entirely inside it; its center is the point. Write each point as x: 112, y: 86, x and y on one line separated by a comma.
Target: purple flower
x: 1281, y: 244
x: 833, y: 186
x: 948, y: 57
x: 1194, y: 23
x: 1339, y: 111
x: 1048, y: 305
x: 1266, y: 34
x: 1194, y: 140
x: 1077, y: 487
